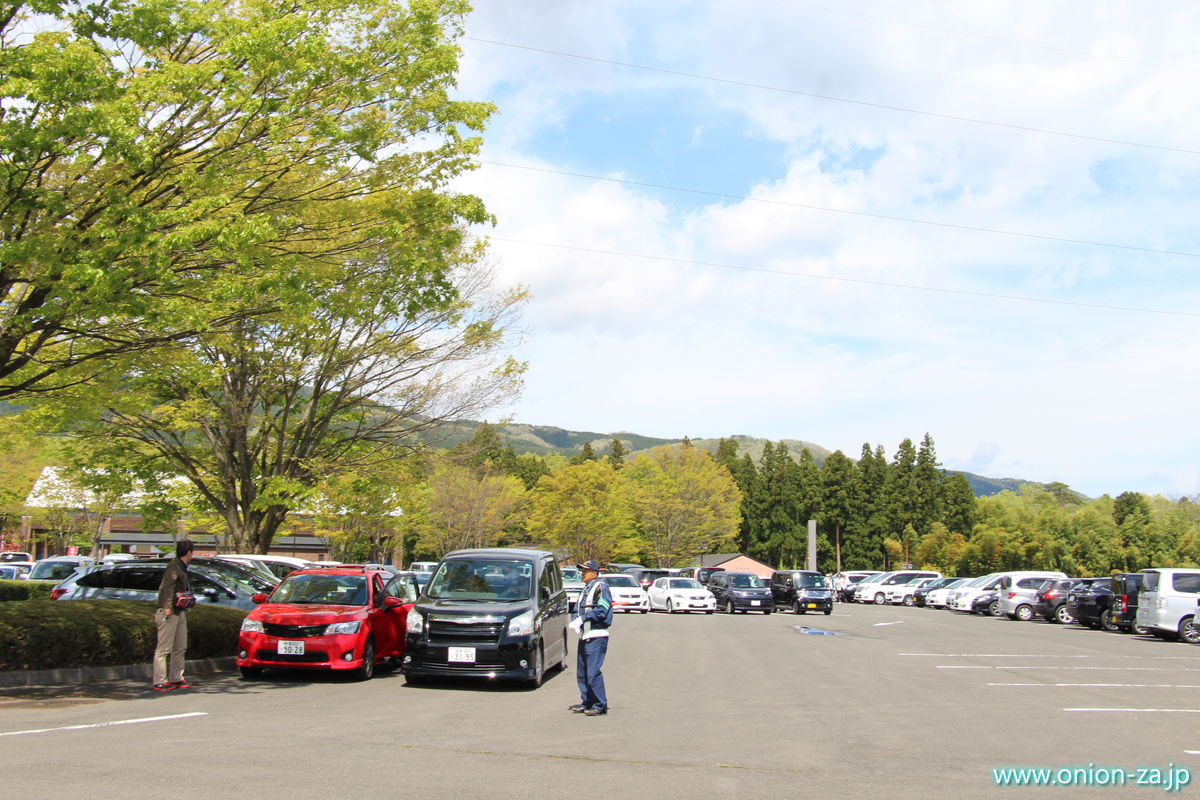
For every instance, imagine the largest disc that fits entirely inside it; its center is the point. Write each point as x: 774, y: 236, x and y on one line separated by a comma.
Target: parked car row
x: 1160, y: 602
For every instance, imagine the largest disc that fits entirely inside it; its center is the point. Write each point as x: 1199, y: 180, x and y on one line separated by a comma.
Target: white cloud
x: 1099, y: 399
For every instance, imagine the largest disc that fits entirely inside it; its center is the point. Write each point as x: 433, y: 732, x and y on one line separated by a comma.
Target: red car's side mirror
x: 258, y: 598
x: 392, y: 602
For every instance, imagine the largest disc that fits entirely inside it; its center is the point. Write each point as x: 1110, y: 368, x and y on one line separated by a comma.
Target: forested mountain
x: 545, y: 439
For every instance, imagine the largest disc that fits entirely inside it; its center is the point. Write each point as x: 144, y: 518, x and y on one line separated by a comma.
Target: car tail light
x: 1050, y: 595
x: 1124, y: 603
x: 56, y: 593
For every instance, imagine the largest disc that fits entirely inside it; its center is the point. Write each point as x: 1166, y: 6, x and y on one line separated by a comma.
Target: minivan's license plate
x: 291, y: 648
x: 812, y: 605
x: 756, y: 602
x: 461, y: 655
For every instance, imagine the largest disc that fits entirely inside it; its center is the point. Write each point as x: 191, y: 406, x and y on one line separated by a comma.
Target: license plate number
x: 812, y: 605
x: 291, y: 648
x: 756, y: 602
x: 461, y: 655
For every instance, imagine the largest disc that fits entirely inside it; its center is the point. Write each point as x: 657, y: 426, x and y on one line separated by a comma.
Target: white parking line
x: 1110, y: 685
x: 1044, y: 655
x: 1123, y: 669
x: 1141, y: 710
x: 880, y: 624
x: 106, y: 724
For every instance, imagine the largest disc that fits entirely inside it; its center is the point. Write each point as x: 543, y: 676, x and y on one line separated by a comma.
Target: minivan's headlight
x: 416, y: 623
x: 252, y: 626
x: 343, y: 627
x: 521, y: 625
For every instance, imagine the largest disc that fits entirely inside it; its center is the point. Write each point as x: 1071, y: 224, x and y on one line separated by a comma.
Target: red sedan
x: 337, y: 618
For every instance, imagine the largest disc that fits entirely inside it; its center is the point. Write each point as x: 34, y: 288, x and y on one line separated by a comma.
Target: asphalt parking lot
x: 899, y: 703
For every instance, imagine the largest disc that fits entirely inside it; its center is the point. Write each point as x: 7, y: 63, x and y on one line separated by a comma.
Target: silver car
x: 139, y: 580
x: 1018, y: 600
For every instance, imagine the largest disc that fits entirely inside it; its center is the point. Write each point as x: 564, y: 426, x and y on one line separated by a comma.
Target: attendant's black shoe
x: 163, y: 687
x: 595, y: 712
x: 183, y: 684
x: 578, y: 708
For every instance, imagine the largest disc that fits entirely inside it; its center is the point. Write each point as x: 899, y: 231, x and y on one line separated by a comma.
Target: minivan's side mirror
x: 210, y: 593
x: 544, y: 593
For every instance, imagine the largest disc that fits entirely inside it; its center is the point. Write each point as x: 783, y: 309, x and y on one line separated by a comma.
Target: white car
x: 875, y: 588
x: 680, y: 594
x: 937, y: 597
x: 904, y: 593
x: 626, y: 594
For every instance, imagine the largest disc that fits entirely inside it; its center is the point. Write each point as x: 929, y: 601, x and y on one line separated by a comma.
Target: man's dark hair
x: 183, y: 547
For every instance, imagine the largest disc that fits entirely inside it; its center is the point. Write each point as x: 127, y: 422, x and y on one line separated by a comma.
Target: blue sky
x: 792, y: 294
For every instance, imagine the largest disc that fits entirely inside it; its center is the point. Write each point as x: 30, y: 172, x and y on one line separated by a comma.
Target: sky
x: 855, y: 221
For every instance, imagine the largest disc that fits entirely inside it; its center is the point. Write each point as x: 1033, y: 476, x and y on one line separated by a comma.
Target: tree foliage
x: 584, y: 510
x: 685, y: 504
x: 169, y: 169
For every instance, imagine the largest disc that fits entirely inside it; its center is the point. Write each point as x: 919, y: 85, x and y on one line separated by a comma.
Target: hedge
x: 26, y: 590
x: 59, y: 634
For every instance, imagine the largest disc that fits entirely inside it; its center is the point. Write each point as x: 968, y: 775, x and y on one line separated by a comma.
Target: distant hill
x: 546, y: 439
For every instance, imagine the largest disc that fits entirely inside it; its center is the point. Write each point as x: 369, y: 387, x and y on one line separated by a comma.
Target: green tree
x: 685, y: 504
x: 863, y: 544
x: 256, y: 417
x: 585, y: 454
x: 838, y: 499
x: 169, y: 171
x: 463, y: 508
x: 616, y: 453
x: 958, y: 504
x: 584, y: 510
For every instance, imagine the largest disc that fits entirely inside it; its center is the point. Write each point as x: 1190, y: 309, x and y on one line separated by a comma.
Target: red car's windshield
x: 316, y: 588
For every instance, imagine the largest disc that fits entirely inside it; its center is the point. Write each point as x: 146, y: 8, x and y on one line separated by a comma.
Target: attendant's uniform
x: 595, y: 611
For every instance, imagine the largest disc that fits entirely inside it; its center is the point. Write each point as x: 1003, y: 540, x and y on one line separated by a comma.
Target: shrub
x: 57, y: 634
x: 25, y: 590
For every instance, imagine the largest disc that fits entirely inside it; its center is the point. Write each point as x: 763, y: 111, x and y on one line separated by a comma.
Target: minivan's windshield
x: 745, y: 582
x: 810, y: 580
x: 481, y: 579
x: 570, y: 574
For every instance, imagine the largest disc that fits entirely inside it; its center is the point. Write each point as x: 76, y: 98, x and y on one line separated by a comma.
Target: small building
x: 735, y: 562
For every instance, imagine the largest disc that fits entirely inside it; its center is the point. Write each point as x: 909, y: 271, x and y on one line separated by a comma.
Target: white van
x: 1167, y: 603
x: 962, y: 598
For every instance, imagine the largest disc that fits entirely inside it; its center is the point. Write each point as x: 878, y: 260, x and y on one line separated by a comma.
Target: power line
x: 833, y: 98
x: 840, y: 279
x: 868, y: 214
x: 985, y: 37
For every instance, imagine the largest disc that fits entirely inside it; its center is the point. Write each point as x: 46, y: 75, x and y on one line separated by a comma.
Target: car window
x: 322, y: 589
x: 141, y: 578
x: 624, y: 581
x: 99, y: 579
x: 403, y: 587
x: 1186, y: 583
x: 52, y: 570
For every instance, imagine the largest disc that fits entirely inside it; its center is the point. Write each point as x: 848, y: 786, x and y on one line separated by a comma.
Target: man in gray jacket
x: 172, y: 622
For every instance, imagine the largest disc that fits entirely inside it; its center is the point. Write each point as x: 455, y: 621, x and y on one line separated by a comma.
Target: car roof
x: 498, y: 553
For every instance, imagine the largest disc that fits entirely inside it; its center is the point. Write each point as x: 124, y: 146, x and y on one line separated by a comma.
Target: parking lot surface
x: 869, y: 702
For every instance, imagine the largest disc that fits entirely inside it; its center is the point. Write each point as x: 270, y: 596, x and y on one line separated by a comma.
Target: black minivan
x: 489, y: 613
